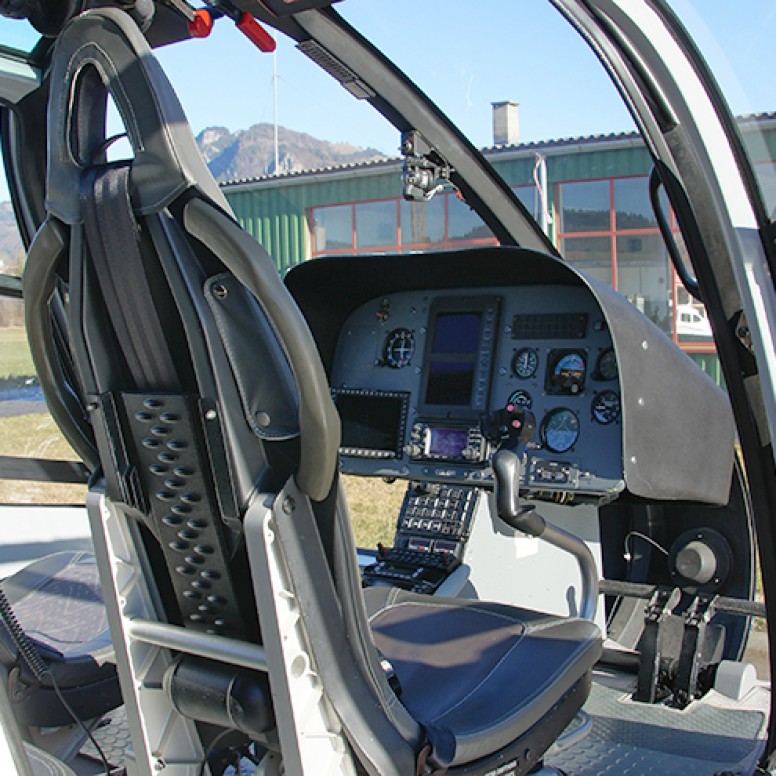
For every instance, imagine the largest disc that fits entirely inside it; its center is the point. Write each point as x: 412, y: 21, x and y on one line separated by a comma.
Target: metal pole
x: 275, y: 106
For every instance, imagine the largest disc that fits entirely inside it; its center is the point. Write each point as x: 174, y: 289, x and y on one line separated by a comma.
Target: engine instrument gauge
x: 606, y: 407
x: 606, y: 366
x: 560, y: 430
x: 525, y: 362
x: 520, y: 398
x: 399, y: 348
x: 566, y: 371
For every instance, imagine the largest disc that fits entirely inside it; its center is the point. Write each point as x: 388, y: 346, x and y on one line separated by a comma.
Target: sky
x: 520, y: 50
x: 465, y: 64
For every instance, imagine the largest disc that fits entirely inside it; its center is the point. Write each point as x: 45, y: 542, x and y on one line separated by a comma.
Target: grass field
x: 36, y: 436
x: 15, y: 359
x: 374, y: 505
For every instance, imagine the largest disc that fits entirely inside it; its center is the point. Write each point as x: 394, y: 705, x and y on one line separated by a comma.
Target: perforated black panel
x: 176, y: 485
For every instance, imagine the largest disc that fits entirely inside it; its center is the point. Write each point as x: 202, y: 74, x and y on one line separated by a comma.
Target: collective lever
x: 507, y: 469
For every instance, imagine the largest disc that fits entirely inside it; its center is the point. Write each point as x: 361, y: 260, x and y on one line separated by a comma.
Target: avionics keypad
x: 431, y: 533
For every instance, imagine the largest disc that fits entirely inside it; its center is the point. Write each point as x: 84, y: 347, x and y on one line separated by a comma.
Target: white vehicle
x: 691, y: 322
x: 572, y: 579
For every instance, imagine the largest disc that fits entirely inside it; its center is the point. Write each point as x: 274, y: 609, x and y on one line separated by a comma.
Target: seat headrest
x: 102, y: 52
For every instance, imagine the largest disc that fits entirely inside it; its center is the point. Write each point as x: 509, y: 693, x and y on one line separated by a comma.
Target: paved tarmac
x: 30, y: 532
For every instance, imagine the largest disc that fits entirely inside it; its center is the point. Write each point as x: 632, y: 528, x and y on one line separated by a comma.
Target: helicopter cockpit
x: 575, y: 542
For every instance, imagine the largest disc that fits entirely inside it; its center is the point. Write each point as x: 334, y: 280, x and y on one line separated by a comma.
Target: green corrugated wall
x: 275, y: 211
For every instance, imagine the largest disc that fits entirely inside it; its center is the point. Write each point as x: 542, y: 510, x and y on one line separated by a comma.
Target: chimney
x: 506, y: 123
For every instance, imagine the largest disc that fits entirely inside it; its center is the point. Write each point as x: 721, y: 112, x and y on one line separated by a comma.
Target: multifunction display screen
x: 372, y: 422
x: 447, y: 442
x: 452, y: 359
x: 458, y: 355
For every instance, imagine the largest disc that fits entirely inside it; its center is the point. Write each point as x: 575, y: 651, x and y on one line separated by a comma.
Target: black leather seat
x: 57, y: 600
x: 233, y: 380
x: 486, y: 673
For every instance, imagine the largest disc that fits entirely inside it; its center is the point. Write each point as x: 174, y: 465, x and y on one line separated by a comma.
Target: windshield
x: 537, y: 101
x: 18, y: 36
x: 739, y: 50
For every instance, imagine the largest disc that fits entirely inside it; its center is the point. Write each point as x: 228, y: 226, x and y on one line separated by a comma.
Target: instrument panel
x: 413, y: 371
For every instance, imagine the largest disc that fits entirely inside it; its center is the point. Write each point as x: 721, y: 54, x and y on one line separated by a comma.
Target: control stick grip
x: 507, y: 470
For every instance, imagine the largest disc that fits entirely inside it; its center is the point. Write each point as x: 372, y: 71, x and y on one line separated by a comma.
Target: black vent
x: 336, y: 69
x: 549, y: 326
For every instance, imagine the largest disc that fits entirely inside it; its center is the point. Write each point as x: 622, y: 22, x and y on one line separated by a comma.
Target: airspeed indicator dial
x: 399, y: 348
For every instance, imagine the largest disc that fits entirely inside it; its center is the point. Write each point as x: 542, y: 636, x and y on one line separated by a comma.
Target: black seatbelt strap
x: 113, y: 243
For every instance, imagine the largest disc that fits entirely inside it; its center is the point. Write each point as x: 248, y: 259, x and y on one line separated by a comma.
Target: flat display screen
x: 457, y: 333
x: 447, y: 442
x: 450, y: 382
x: 452, y: 360
x: 372, y: 422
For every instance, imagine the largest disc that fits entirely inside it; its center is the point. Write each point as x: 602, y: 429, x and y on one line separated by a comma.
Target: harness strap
x: 113, y: 243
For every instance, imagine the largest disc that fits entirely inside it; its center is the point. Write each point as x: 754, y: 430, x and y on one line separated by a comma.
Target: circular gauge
x: 560, y: 430
x: 525, y: 362
x: 606, y: 368
x: 399, y: 348
x: 606, y: 407
x: 567, y: 372
x: 520, y: 398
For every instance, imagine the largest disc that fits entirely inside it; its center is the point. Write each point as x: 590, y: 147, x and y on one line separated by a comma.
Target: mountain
x: 249, y: 153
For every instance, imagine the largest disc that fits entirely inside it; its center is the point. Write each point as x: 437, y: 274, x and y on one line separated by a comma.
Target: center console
x: 431, y: 533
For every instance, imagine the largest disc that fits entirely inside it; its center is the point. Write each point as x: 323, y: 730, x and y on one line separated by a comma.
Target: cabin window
x: 37, y: 466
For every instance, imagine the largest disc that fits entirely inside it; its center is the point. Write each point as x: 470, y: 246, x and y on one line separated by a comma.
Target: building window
x: 333, y: 229
x: 643, y: 276
x: 632, y: 208
x: 463, y: 224
x: 396, y: 226
x: 376, y: 224
x: 422, y: 222
x: 585, y: 206
x: 591, y: 255
x: 608, y: 231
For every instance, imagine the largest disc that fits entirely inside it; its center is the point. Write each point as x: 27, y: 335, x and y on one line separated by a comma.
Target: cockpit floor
x: 711, y: 736
x: 113, y: 737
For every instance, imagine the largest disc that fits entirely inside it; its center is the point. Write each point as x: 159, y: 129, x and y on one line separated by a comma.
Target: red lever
x: 201, y: 25
x: 255, y: 33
